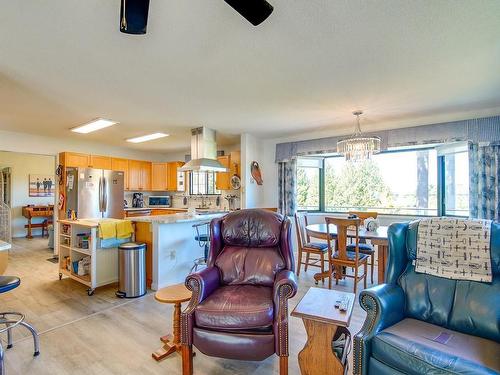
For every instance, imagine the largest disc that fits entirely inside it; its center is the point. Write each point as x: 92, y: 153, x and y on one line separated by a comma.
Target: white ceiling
x: 64, y: 62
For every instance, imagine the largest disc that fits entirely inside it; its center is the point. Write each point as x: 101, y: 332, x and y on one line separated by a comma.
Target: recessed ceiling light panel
x: 92, y: 126
x: 146, y: 138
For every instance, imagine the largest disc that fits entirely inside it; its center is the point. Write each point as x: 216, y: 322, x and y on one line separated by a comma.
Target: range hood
x: 203, y: 152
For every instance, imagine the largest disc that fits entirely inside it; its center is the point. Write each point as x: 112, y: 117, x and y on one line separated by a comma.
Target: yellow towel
x: 107, y: 229
x: 124, y: 229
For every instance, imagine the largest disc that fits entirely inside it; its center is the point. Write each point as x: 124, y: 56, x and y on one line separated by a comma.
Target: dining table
x: 377, y: 237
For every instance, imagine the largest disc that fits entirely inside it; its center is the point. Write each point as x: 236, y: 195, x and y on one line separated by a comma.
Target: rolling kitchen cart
x: 80, y: 247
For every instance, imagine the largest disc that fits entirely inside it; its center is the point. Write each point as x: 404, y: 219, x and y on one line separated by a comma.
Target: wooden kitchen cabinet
x: 118, y: 164
x: 232, y: 162
x: 146, y: 175
x: 143, y: 234
x: 159, y: 176
x: 172, y: 175
x: 74, y: 159
x: 139, y: 175
x: 134, y: 175
x: 100, y: 162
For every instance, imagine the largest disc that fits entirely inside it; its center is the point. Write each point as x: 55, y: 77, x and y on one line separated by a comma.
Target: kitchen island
x: 172, y: 247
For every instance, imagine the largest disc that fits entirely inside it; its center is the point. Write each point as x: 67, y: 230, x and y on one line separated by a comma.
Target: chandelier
x: 358, y: 147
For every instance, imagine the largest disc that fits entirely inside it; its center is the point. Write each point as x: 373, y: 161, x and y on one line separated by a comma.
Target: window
x: 202, y: 183
x: 391, y: 183
x: 403, y: 182
x: 308, y: 184
x: 456, y: 184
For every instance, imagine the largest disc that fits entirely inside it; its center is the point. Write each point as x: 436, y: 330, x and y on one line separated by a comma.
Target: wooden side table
x: 175, y: 294
x: 321, y: 320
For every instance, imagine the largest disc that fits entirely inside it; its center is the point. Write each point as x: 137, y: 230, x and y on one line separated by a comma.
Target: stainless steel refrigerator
x: 94, y: 193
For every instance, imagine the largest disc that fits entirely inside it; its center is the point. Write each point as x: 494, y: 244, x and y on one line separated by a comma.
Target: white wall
x: 252, y: 194
x: 22, y: 165
x: 262, y: 151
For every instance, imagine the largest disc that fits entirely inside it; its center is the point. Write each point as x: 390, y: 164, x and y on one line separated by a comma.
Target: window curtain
x: 287, y: 181
x: 484, y: 175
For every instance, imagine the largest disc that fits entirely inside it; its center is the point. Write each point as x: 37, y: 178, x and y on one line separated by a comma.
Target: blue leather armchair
x: 423, y: 324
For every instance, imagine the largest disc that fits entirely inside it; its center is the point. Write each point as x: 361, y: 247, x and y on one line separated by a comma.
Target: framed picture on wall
x: 41, y: 185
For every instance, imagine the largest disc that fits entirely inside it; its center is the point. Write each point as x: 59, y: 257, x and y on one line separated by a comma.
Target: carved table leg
x: 29, y: 229
x: 171, y: 344
x: 317, y: 357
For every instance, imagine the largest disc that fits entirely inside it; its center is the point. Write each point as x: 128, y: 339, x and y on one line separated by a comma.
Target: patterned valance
x: 477, y: 130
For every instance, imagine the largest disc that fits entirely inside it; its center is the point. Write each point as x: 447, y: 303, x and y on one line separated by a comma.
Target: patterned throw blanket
x: 457, y: 249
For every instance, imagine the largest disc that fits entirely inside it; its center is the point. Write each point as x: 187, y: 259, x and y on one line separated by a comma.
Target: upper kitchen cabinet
x: 174, y: 177
x: 232, y: 162
x: 100, y: 162
x: 159, y: 177
x: 139, y: 175
x: 118, y: 164
x: 73, y: 159
x: 165, y: 177
x: 146, y: 175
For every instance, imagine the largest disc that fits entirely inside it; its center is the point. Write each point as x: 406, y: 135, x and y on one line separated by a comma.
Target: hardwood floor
x: 106, y: 335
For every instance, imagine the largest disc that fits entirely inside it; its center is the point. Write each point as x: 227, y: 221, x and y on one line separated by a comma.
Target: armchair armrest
x: 202, y: 284
x: 384, y: 305
x: 285, y: 287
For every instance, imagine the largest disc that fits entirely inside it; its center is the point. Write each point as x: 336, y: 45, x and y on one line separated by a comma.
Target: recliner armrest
x: 384, y: 305
x: 202, y: 284
x: 284, y: 288
x: 285, y: 285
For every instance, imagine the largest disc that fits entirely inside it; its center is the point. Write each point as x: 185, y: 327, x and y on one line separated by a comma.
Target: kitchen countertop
x: 91, y: 223
x: 154, y: 208
x: 4, y: 245
x: 177, y: 218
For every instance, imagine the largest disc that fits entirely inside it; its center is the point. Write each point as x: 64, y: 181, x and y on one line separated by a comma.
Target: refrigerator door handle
x: 104, y: 194
x: 100, y: 194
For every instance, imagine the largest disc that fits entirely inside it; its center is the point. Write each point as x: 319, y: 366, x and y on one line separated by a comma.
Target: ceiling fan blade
x: 134, y: 16
x: 255, y: 11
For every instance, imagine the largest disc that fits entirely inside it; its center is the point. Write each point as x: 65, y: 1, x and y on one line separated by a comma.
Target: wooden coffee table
x: 175, y: 294
x: 321, y: 320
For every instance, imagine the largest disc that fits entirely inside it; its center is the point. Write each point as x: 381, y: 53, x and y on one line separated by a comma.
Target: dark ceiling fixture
x: 255, y: 11
x: 134, y: 13
x: 134, y: 16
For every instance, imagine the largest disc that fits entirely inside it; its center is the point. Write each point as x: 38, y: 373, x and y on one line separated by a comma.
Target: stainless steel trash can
x: 132, y: 271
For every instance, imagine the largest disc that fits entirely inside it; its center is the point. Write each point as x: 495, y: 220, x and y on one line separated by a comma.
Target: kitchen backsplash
x: 192, y: 200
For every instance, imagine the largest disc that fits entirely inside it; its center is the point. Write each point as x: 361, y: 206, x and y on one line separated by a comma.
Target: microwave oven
x: 159, y: 201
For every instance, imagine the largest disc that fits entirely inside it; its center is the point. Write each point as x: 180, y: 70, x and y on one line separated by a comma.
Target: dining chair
x: 365, y: 248
x: 342, y: 258
x: 308, y: 247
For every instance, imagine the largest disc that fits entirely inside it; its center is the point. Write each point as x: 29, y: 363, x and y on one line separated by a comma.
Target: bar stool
x: 203, y: 238
x: 13, y: 319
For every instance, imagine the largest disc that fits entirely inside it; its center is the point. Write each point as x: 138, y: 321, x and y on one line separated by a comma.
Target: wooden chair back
x: 363, y: 215
x: 343, y: 225
x: 300, y: 230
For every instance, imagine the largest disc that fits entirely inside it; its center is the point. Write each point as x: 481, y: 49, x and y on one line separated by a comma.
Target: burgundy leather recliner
x: 239, y: 307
